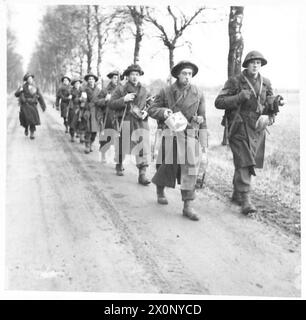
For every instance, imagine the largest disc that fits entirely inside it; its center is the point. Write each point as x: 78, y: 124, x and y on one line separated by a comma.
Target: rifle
x: 225, y: 132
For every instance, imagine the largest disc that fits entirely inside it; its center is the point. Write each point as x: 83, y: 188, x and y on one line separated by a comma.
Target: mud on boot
x: 246, y: 204
x: 161, y: 197
x: 189, y: 212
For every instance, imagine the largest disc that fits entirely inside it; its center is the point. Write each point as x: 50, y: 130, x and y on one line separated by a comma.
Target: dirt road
x: 72, y: 224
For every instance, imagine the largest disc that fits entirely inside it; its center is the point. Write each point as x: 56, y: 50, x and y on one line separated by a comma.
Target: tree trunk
x: 138, y: 38
x: 171, y: 61
x: 99, y: 36
x: 89, y: 45
x: 235, y: 52
x: 235, y: 41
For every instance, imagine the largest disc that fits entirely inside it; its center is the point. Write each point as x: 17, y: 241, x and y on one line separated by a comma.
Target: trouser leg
x: 242, y: 180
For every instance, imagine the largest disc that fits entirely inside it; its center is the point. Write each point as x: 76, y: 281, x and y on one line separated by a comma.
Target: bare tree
x: 235, y: 53
x: 131, y: 19
x: 235, y: 40
x: 180, y: 23
x: 103, y: 26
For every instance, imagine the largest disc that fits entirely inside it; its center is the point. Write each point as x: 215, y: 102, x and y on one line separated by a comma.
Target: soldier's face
x: 254, y: 66
x: 66, y: 81
x: 115, y: 80
x: 30, y: 80
x: 77, y: 85
x: 184, y: 77
x: 91, y: 81
x: 134, y: 77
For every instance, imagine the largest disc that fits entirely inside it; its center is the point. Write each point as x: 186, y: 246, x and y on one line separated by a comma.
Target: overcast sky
x: 271, y: 29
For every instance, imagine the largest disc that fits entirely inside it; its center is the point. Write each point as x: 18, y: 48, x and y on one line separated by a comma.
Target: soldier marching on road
x: 63, y: 98
x: 250, y: 106
x: 91, y: 91
x: 105, y: 114
x: 176, y: 162
x: 29, y: 95
x: 74, y: 117
x: 130, y: 103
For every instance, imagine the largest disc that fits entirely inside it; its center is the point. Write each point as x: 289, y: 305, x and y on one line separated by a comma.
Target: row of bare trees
x: 73, y: 39
x: 14, y: 62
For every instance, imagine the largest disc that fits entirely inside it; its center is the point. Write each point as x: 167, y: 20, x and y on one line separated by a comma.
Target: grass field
x: 276, y: 188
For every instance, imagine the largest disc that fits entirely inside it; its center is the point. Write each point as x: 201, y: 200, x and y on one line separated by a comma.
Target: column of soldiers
x: 121, y: 110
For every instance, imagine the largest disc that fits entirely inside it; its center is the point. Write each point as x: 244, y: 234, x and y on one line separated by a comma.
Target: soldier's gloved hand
x: 167, y: 113
x: 108, y: 96
x: 129, y: 97
x: 244, y: 95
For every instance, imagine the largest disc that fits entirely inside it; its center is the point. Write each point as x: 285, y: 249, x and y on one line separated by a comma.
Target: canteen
x: 176, y: 122
x: 262, y: 122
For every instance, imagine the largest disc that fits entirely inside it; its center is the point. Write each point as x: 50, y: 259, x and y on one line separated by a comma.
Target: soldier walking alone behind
x: 63, y: 98
x: 250, y: 106
x: 29, y: 95
x: 180, y: 152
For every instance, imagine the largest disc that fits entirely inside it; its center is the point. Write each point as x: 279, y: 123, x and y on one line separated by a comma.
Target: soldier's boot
x: 72, y: 138
x: 26, y: 131
x: 236, y: 197
x: 246, y: 204
x: 142, y: 179
x: 119, y: 169
x: 77, y: 135
x: 82, y: 140
x: 66, y: 126
x: 161, y: 197
x: 90, y: 147
x: 87, y: 147
x: 32, y: 135
x: 103, y: 157
x: 189, y: 212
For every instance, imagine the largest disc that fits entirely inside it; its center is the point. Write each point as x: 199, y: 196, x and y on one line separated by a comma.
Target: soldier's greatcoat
x: 62, y: 99
x: 90, y: 114
x: 117, y: 104
x: 247, y: 144
x: 75, y: 111
x: 105, y: 115
x: 29, y: 96
x: 190, y: 101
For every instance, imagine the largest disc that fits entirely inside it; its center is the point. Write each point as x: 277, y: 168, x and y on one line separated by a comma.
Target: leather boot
x: 103, y: 157
x: 26, y: 131
x: 90, y: 147
x: 142, y: 179
x: 119, y: 170
x: 82, y: 138
x: 66, y: 131
x: 161, y: 198
x: 246, y: 204
x: 72, y: 139
x: 32, y: 135
x: 87, y: 147
x: 189, y: 212
x: 236, y: 197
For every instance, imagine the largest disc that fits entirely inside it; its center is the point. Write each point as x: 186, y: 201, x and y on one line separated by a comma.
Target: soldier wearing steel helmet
x: 246, y: 98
